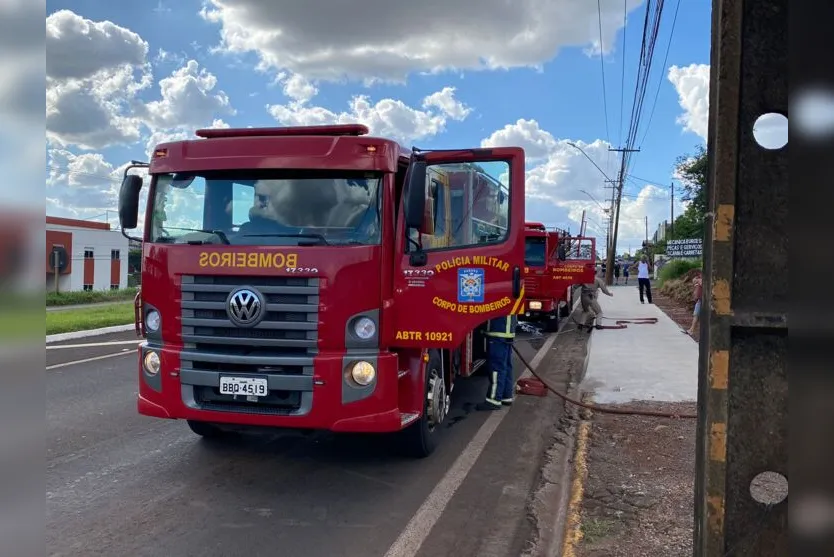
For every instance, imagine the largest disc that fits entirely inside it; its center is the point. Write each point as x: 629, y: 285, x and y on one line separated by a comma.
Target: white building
x: 90, y: 255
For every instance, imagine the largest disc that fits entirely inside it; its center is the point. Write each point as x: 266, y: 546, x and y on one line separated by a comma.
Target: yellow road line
x: 573, y: 525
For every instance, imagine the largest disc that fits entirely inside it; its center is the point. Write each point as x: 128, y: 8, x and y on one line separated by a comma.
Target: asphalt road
x: 123, y: 484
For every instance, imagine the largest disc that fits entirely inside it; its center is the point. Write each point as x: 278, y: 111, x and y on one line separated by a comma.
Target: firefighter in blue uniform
x: 500, y: 336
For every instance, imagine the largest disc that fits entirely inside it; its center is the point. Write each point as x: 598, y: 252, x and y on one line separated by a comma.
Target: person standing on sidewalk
x: 697, y: 291
x: 625, y: 271
x: 643, y: 282
x: 588, y: 299
x: 500, y: 336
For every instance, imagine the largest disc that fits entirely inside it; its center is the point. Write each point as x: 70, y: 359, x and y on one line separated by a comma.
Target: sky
x: 125, y: 76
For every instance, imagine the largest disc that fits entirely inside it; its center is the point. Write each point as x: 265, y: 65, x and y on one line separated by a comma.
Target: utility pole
x: 610, y: 248
x: 609, y: 271
x: 743, y: 403
x: 672, y: 222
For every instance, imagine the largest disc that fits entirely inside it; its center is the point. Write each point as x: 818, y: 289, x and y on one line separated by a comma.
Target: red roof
x: 77, y: 223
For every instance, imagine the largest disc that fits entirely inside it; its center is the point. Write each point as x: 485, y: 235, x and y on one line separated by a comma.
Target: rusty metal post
x: 743, y: 387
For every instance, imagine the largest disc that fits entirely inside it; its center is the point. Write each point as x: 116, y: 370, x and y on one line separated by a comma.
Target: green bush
x: 677, y: 268
x: 91, y: 297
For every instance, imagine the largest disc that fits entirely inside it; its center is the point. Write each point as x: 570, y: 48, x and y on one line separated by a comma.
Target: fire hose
x: 603, y: 409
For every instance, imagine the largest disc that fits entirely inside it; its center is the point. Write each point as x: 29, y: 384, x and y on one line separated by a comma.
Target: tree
x: 693, y: 171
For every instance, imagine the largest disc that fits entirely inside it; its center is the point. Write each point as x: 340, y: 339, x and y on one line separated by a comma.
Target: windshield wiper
x: 320, y: 240
x: 219, y: 233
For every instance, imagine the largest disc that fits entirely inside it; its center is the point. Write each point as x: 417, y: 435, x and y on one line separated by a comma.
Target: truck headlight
x: 364, y: 328
x: 152, y: 321
x: 151, y: 362
x: 535, y: 305
x: 363, y: 373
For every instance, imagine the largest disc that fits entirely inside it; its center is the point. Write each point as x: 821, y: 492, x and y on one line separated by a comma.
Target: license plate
x: 249, y: 386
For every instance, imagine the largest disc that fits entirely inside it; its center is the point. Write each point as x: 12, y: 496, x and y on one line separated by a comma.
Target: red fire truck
x: 320, y: 278
x: 553, y: 263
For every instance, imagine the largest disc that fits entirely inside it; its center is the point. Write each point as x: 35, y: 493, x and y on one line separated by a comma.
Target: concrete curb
x: 558, y: 525
x: 60, y: 337
x: 553, y: 535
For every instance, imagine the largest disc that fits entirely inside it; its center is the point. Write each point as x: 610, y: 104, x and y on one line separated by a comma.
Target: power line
x: 662, y: 73
x: 67, y: 170
x: 651, y: 26
x: 602, y: 67
x: 622, y: 73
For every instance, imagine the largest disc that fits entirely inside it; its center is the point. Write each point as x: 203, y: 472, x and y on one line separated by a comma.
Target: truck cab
x: 553, y: 262
x: 320, y: 278
x: 540, y: 302
x: 574, y: 263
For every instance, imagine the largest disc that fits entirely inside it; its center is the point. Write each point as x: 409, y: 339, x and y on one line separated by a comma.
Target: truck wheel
x: 205, y: 429
x: 564, y: 311
x: 421, y: 438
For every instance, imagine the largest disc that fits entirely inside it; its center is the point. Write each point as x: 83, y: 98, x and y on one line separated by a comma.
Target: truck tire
x: 421, y: 438
x: 205, y: 429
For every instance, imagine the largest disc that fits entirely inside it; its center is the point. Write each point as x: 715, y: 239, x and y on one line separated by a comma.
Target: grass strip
x: 91, y: 297
x: 83, y: 319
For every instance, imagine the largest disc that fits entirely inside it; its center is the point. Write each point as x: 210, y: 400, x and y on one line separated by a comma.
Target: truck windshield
x: 534, y: 251
x: 266, y: 208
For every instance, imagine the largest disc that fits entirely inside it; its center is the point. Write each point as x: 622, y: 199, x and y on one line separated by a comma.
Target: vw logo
x: 245, y: 307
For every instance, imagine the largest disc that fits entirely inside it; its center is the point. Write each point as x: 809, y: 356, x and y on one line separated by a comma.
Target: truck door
x: 446, y: 288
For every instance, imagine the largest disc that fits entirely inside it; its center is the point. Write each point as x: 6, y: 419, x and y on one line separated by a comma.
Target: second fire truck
x: 554, y: 262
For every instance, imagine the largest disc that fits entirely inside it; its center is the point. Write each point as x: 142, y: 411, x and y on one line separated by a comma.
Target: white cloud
x: 299, y: 89
x: 387, y: 117
x: 83, y: 181
x: 447, y: 103
x: 86, y: 186
x: 536, y: 142
x: 188, y: 99
x: 322, y: 39
x: 556, y: 187
x: 93, y: 70
x: 78, y: 48
x: 96, y: 69
x: 692, y: 84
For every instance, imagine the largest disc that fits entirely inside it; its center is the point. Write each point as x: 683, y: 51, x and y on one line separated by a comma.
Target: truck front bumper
x: 325, y: 398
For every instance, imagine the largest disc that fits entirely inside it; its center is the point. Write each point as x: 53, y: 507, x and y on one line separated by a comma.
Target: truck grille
x: 281, y: 346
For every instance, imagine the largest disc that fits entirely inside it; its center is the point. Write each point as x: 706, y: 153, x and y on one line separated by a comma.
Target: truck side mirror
x: 415, y: 202
x: 129, y: 201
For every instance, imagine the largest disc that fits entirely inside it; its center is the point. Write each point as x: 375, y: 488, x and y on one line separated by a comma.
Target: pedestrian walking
x: 643, y: 282
x: 617, y: 273
x: 500, y: 336
x: 697, y: 291
x: 590, y: 306
x: 625, y: 271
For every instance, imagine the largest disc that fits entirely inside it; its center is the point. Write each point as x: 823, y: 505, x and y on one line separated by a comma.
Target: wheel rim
x: 438, y: 400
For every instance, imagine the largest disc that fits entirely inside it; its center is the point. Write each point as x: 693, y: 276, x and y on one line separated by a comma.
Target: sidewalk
x: 633, y: 476
x: 641, y: 362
